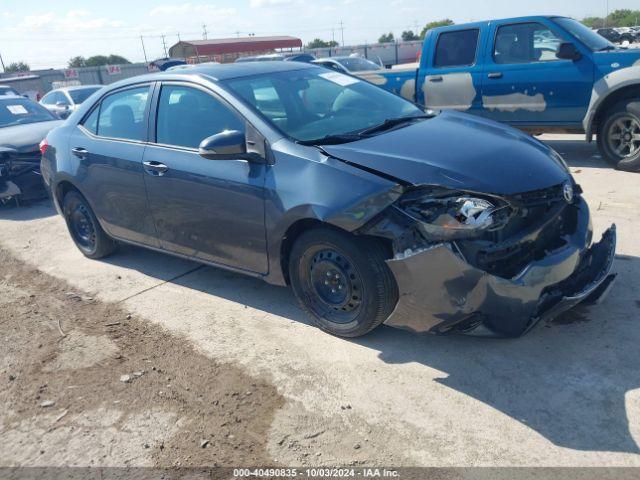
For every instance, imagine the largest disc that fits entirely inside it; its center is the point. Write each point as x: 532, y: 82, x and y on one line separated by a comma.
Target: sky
x: 47, y: 33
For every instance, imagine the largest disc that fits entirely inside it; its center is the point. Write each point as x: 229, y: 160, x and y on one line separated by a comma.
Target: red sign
x: 114, y: 69
x: 71, y: 73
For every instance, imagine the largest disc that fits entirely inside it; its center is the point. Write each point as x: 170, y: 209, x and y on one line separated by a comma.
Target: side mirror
x: 62, y: 105
x: 568, y: 51
x: 227, y: 145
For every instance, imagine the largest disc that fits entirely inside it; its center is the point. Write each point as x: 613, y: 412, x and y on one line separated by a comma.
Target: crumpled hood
x: 26, y: 138
x: 461, y: 151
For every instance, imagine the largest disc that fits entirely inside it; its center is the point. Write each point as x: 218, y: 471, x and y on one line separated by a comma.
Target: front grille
x: 540, y: 222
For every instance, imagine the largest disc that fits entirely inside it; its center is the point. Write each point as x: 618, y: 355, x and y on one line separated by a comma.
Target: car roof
x: 77, y: 87
x: 219, y: 72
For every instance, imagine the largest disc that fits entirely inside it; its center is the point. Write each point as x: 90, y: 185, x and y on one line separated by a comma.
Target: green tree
x: 118, y: 60
x: 439, y: 23
x: 386, y: 38
x: 593, y: 22
x: 408, y: 36
x: 318, y: 43
x: 17, y: 67
x: 77, y: 62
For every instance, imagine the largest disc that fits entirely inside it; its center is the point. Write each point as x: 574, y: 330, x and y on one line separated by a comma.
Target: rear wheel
x: 619, y: 135
x: 84, y: 228
x: 342, y: 281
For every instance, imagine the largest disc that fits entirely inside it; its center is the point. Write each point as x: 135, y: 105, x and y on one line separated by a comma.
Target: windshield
x: 587, y: 36
x: 81, y: 94
x: 355, y: 64
x: 20, y: 111
x: 315, y: 103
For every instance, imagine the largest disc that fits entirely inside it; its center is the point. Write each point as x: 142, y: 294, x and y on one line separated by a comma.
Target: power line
x: 164, y: 46
x: 144, y: 50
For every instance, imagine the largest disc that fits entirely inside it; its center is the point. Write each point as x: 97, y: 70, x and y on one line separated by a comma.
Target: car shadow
x: 27, y: 210
x: 567, y: 380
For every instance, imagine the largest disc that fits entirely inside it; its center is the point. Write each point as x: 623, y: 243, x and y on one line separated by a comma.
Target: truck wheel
x: 84, y: 228
x: 342, y: 281
x: 619, y: 135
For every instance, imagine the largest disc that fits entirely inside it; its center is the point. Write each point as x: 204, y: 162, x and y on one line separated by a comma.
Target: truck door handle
x: 437, y: 78
x: 156, y: 169
x: 495, y: 75
x: 80, y: 152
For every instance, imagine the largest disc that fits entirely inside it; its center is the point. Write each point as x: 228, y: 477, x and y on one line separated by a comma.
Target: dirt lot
x: 86, y: 383
x: 567, y: 394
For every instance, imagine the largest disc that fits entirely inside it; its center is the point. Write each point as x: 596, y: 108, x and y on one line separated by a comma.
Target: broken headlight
x: 450, y: 215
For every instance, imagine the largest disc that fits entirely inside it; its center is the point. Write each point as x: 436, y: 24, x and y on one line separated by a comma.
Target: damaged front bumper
x: 439, y: 292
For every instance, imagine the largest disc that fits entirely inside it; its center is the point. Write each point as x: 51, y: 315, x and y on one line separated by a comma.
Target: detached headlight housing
x: 454, y: 215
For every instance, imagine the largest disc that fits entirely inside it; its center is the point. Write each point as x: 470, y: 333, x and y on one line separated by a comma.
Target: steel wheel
x: 624, y: 136
x: 82, y: 227
x: 336, y: 284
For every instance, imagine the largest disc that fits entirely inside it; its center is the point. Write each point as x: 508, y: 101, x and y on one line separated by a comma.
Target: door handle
x: 80, y: 152
x: 437, y: 78
x: 155, y: 168
x: 495, y: 75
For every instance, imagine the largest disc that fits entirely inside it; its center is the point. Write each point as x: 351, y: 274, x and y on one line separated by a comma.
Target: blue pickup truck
x: 540, y: 74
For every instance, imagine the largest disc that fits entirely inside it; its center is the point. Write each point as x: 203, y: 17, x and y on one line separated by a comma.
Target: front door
x: 208, y: 209
x: 108, y: 147
x: 524, y: 83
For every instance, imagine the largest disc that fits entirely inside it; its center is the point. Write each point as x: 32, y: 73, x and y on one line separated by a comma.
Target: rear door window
x: 122, y: 114
x: 457, y: 49
x: 187, y: 115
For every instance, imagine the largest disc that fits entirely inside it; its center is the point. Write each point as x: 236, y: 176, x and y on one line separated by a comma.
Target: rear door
x: 526, y: 84
x: 208, y: 209
x: 107, y: 147
x: 453, y: 72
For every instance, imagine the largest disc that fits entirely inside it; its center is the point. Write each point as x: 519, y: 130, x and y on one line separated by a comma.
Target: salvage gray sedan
x: 371, y: 209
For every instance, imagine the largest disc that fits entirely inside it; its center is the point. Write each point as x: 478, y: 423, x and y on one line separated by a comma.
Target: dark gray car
x: 373, y: 210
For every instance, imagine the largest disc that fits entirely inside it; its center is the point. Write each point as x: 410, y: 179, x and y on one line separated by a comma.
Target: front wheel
x: 619, y: 135
x: 342, y: 281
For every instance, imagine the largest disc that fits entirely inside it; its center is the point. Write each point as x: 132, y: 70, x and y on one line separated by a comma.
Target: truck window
x: 457, y: 49
x: 525, y: 43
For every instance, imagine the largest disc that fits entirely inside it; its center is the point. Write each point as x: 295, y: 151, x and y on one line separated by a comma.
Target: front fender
x: 604, y: 88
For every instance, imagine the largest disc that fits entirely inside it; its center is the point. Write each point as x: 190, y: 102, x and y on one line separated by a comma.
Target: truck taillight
x: 43, y: 146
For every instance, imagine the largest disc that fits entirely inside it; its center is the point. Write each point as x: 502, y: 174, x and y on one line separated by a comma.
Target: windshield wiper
x: 333, y: 139
x: 608, y: 47
x: 393, y: 122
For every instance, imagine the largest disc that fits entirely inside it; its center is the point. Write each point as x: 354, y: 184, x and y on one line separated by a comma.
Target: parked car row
x: 620, y: 35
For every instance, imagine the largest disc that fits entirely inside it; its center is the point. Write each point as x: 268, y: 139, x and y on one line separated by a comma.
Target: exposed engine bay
x: 488, y: 264
x: 20, y: 176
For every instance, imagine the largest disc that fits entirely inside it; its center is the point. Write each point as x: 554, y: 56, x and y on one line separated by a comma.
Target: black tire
x: 84, y: 227
x: 342, y: 281
x: 611, y: 135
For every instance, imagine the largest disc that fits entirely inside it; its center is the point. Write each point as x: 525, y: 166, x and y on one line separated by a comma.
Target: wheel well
x: 631, y: 91
x: 62, y: 189
x: 299, y: 227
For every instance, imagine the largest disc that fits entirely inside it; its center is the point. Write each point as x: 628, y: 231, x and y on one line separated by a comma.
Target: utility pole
x: 204, y: 31
x: 164, y: 46
x: 179, y: 39
x: 342, y: 30
x: 238, y: 33
x: 144, y: 50
x: 2, y: 62
x: 606, y: 18
x: 333, y: 34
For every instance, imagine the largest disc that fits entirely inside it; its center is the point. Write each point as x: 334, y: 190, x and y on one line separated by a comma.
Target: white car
x: 64, y: 101
x: 7, y: 91
x: 348, y: 64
